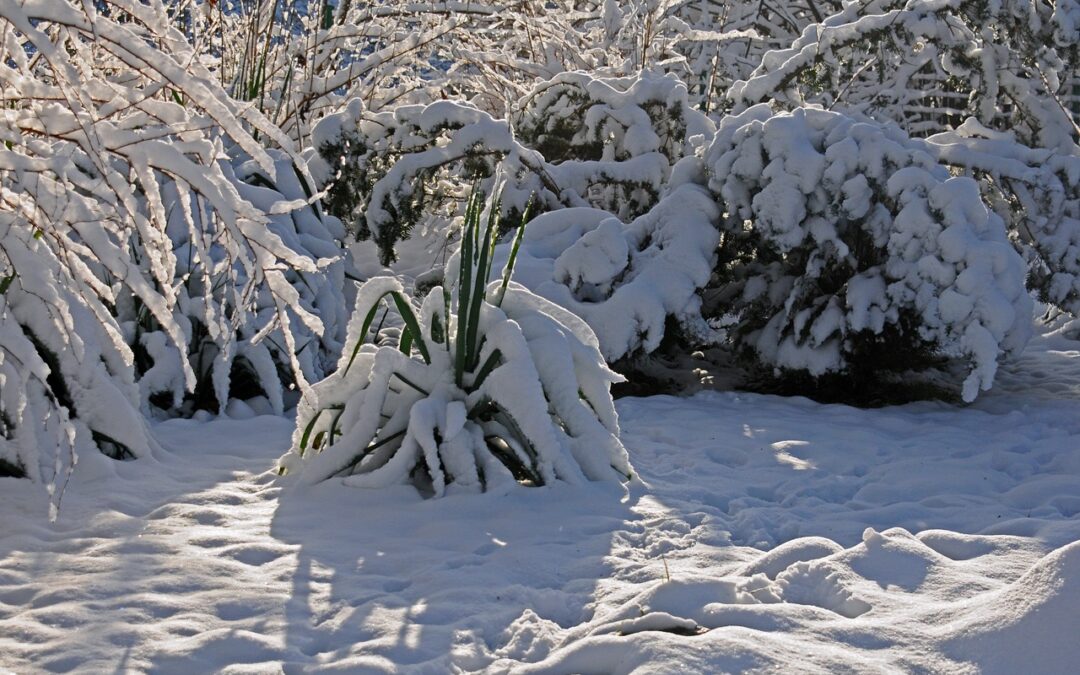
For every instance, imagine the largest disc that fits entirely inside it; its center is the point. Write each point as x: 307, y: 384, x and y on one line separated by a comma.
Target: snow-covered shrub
x: 116, y: 138
x: 990, y: 79
x: 66, y: 385
x: 490, y: 384
x: 623, y: 134
x: 210, y: 288
x: 847, y: 248
x: 928, y: 64
x: 626, y: 280
x: 1037, y: 192
x: 385, y: 171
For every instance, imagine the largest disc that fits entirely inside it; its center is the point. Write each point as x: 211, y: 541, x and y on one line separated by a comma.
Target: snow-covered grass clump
x: 849, y: 249
x: 489, y: 385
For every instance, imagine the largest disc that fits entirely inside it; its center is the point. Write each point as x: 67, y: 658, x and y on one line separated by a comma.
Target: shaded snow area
x: 765, y: 534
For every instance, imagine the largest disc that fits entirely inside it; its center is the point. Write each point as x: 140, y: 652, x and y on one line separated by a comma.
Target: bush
x: 1036, y: 191
x: 223, y: 305
x: 489, y: 384
x: 578, y: 141
x: 628, y: 281
x: 117, y: 174
x: 847, y: 249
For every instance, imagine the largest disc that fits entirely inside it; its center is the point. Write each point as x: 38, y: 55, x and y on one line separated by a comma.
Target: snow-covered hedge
x: 489, y: 385
x: 848, y: 247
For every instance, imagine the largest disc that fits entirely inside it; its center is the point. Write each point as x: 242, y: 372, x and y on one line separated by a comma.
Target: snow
x: 763, y: 533
x: 624, y: 280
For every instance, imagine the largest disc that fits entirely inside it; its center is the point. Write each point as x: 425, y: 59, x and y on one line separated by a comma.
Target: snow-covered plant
x: 297, y: 61
x: 624, y: 133
x: 848, y: 249
x: 612, y: 141
x: 628, y: 281
x: 116, y: 137
x: 489, y: 385
x: 226, y: 361
x: 708, y: 44
x: 1037, y: 192
x: 927, y: 64
x: 66, y: 385
x: 385, y: 171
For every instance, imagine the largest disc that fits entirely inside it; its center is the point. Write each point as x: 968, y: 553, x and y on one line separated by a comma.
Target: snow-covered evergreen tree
x: 848, y: 248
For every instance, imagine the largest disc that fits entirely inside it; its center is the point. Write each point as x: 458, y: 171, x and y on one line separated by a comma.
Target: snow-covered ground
x: 764, y: 534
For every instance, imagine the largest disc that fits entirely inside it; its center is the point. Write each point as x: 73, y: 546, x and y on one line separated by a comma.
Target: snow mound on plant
x: 624, y: 279
x: 846, y: 229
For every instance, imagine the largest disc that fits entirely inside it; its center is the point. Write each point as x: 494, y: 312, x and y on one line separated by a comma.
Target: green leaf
x: 438, y: 331
x: 465, y: 265
x: 489, y: 365
x: 406, y: 342
x: 483, y: 267
x: 363, y: 332
x: 509, y: 269
x: 307, y: 432
x: 446, y: 313
x: 411, y: 324
x: 5, y: 283
x: 411, y: 384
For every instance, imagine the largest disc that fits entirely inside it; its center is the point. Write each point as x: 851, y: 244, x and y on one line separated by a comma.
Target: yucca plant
x: 489, y: 385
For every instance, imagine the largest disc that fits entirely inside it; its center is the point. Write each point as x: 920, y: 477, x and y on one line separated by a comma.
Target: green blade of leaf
x: 509, y: 269
x: 489, y: 365
x: 368, y: 320
x: 307, y: 432
x: 472, y: 354
x: 406, y: 342
x: 411, y: 324
x: 465, y: 265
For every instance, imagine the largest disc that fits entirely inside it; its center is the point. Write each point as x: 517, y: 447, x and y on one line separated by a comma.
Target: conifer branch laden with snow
x: 609, y: 143
x: 927, y: 65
